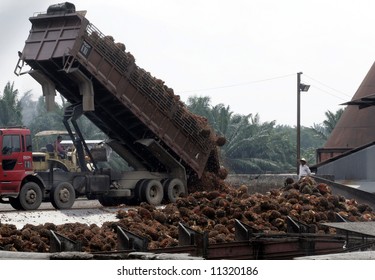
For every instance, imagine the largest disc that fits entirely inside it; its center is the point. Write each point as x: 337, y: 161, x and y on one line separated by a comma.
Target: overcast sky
x: 243, y: 53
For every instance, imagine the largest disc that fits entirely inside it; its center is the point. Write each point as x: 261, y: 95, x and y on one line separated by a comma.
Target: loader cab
x: 15, y: 158
x: 46, y: 156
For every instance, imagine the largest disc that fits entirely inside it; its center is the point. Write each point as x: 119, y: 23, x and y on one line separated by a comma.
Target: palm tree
x: 200, y: 105
x: 325, y: 129
x: 251, y: 146
x: 28, y: 107
x: 43, y: 120
x: 241, y: 153
x: 10, y: 107
x: 332, y: 119
x: 219, y: 117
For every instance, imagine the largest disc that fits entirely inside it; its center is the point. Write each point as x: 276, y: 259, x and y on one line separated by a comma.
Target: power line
x: 238, y: 84
x: 270, y: 79
x: 327, y: 86
x: 339, y: 97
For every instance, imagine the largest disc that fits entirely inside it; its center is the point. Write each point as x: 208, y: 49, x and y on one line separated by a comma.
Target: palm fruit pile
x: 213, y: 207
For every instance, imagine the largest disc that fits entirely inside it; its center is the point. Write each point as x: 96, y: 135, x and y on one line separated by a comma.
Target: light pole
x: 300, y: 87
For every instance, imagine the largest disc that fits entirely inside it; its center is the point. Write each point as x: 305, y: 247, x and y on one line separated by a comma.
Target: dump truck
x: 167, y: 147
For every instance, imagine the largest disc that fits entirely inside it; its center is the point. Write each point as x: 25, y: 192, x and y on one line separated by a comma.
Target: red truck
x: 16, y: 169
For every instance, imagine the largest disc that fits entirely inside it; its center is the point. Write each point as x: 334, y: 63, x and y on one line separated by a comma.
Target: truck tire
x: 173, y: 189
x: 105, y: 201
x: 152, y: 192
x: 63, y: 196
x: 15, y: 203
x: 137, y: 196
x: 30, y: 196
x: 110, y: 201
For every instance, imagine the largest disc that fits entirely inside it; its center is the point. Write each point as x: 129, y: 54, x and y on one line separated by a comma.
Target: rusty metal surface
x: 250, y: 245
x: 130, y: 104
x: 278, y: 247
x: 363, y: 102
x: 356, y: 126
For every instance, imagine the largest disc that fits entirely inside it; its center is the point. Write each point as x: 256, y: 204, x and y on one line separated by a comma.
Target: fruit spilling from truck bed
x: 213, y: 211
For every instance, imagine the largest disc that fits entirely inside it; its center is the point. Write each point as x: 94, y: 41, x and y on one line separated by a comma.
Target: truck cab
x: 15, y: 159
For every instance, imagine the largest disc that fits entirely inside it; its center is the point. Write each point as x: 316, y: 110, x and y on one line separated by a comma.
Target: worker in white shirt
x: 304, y: 170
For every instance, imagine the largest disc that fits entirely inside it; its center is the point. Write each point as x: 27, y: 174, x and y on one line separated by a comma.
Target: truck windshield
x: 11, y: 143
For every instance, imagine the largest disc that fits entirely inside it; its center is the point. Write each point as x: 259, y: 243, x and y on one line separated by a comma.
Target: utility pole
x: 298, y: 119
x: 300, y: 87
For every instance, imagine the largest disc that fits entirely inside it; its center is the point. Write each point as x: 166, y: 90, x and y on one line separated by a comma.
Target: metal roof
x: 356, y: 127
x: 363, y: 102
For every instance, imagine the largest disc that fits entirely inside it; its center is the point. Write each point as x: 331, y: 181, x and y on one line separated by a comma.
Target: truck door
x: 12, y: 165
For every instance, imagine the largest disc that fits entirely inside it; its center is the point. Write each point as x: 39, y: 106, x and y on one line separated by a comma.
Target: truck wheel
x: 15, y: 203
x: 105, y: 201
x: 110, y: 201
x: 30, y: 196
x: 152, y: 192
x: 173, y: 189
x: 63, y: 196
x: 137, y: 196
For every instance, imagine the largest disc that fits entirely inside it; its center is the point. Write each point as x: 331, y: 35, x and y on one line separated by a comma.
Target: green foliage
x: 10, y: 107
x: 251, y: 146
x: 325, y: 129
x: 43, y: 120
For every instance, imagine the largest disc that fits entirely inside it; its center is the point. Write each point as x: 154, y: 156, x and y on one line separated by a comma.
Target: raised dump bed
x: 69, y: 54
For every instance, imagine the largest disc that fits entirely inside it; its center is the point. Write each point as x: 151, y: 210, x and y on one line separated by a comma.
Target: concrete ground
x: 83, y: 211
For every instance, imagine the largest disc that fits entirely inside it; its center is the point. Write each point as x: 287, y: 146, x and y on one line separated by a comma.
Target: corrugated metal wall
x: 359, y: 165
